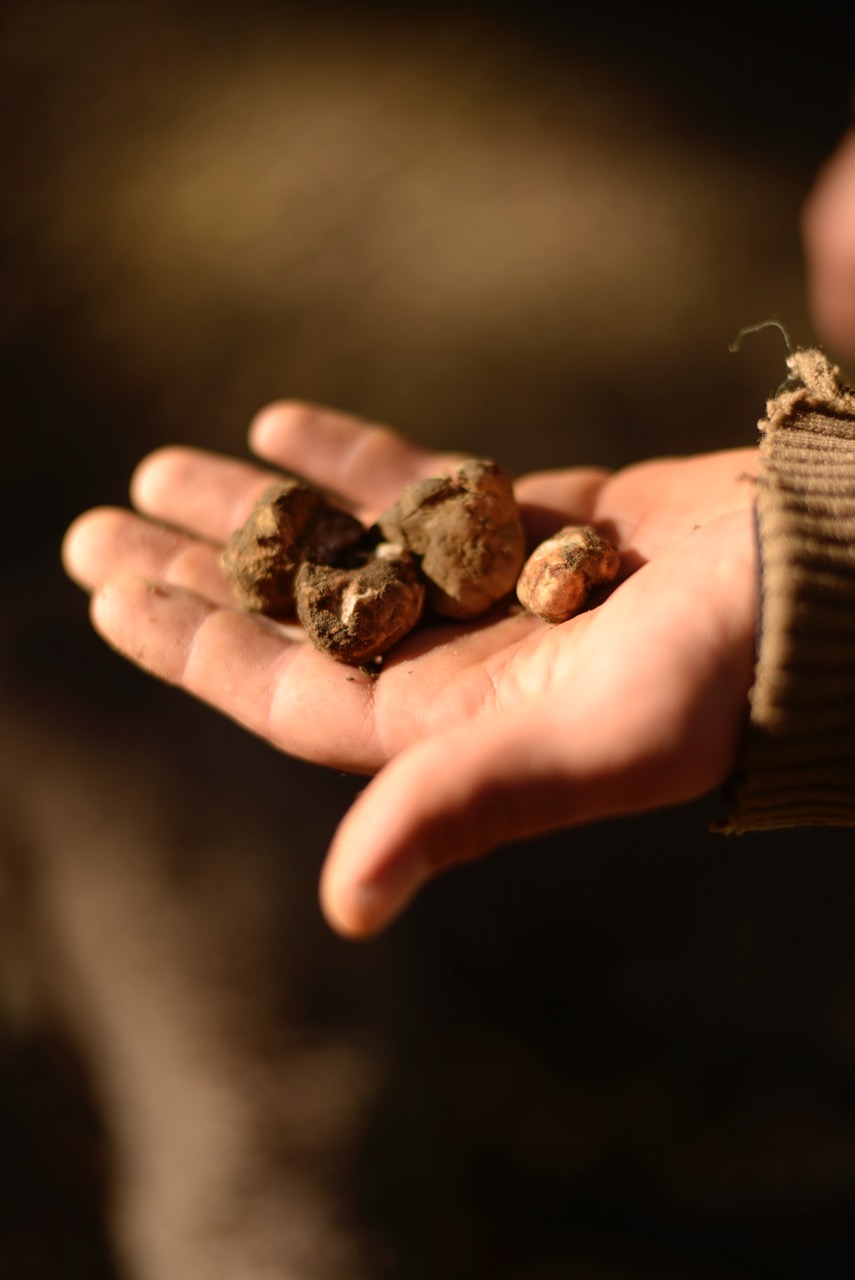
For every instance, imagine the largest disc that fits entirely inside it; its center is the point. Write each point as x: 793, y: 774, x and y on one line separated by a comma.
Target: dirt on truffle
x: 467, y: 532
x: 357, y: 615
x: 454, y: 541
x: 558, y: 578
x: 290, y: 522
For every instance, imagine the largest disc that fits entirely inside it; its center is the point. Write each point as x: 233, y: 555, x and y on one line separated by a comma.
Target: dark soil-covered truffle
x: 466, y: 530
x: 290, y: 522
x: 357, y: 614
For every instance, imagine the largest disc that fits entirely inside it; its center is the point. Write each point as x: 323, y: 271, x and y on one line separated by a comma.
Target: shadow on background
x: 618, y: 1052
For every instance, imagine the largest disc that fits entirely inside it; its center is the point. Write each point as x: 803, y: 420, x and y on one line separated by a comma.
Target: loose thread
x: 756, y: 328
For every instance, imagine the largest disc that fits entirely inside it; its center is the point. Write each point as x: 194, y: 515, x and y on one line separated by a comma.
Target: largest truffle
x: 466, y: 530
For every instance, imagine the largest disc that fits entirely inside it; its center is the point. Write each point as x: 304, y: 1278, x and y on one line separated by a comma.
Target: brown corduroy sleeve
x: 797, y: 766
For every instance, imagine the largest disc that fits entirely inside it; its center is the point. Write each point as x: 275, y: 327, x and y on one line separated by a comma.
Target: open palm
x: 478, y: 733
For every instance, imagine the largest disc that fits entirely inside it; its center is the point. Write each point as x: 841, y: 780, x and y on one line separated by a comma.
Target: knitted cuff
x: 797, y: 765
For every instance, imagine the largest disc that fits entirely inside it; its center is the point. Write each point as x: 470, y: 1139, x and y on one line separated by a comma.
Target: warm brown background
x: 616, y: 1053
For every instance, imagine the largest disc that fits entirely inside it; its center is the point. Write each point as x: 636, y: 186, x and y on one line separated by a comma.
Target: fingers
x: 110, y: 541
x: 259, y: 673
x: 365, y: 464
x: 209, y: 496
x: 198, y: 491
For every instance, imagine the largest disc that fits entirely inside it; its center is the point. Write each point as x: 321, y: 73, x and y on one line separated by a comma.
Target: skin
x: 479, y: 734
x: 828, y: 234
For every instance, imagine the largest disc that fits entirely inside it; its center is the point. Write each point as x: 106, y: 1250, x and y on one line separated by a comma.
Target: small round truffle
x: 466, y: 530
x: 290, y: 522
x: 357, y: 614
x: 560, y: 574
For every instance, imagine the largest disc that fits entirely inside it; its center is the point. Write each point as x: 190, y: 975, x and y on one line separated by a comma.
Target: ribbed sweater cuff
x: 797, y: 765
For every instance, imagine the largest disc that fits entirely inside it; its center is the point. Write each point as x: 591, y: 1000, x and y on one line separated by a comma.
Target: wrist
x: 797, y: 764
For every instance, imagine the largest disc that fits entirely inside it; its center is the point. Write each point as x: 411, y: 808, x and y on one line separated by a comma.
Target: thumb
x: 645, y: 713
x: 454, y: 797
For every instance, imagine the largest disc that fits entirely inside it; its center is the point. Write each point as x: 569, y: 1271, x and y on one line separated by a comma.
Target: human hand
x: 828, y: 229
x: 478, y: 733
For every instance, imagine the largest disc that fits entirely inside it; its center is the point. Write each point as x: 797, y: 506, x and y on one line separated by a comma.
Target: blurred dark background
x: 523, y: 230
